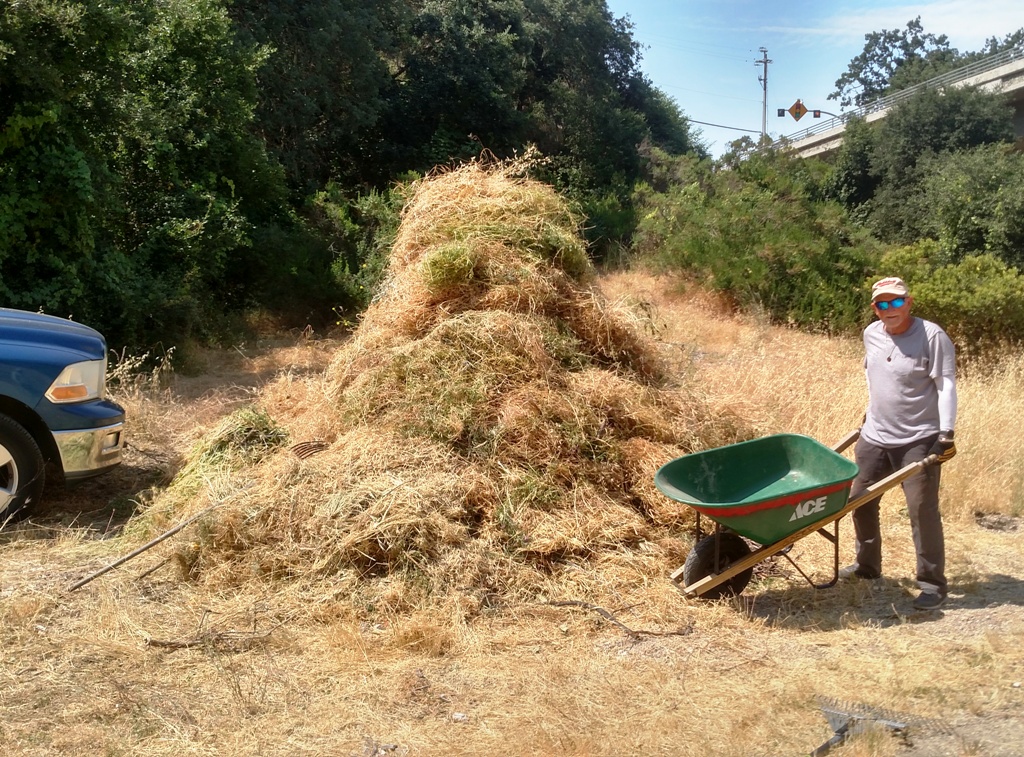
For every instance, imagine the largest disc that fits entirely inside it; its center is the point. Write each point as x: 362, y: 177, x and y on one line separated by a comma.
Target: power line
x: 720, y: 126
x: 709, y: 94
x: 663, y: 46
x: 698, y: 48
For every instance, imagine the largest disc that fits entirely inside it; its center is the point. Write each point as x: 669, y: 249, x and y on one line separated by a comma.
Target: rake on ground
x: 847, y: 719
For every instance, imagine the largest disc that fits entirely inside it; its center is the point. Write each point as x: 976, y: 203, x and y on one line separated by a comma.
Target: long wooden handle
x: 143, y: 548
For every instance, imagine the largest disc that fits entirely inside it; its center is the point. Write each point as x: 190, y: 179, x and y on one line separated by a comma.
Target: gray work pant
x: 922, y: 493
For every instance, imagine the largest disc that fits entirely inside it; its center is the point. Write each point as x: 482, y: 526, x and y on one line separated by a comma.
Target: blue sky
x: 702, y: 53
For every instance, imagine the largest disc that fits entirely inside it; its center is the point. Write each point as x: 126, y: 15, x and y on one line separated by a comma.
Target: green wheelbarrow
x: 771, y: 491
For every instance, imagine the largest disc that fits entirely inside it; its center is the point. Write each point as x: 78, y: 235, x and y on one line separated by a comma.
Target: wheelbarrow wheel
x: 700, y: 563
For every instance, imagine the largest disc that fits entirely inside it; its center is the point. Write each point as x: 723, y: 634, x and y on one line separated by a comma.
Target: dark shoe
x: 929, y: 600
x: 855, y: 571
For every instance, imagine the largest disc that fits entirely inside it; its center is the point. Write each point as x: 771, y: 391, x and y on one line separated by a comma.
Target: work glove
x: 944, y: 447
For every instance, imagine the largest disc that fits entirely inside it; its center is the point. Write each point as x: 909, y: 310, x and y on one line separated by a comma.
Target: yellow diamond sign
x: 797, y: 110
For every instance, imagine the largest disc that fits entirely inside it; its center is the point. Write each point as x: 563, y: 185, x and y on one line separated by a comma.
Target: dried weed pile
x: 492, y: 424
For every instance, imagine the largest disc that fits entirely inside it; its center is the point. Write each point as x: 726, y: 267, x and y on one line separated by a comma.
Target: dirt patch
x: 998, y: 521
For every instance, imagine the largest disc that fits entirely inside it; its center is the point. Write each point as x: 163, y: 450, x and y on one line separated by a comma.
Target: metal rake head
x: 302, y: 450
x: 850, y: 718
x: 842, y: 712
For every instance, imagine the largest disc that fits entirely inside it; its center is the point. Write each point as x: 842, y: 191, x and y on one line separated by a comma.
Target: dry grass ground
x: 141, y: 662
x: 473, y: 557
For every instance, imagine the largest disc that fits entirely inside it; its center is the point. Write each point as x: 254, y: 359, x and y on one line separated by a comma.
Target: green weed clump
x: 975, y: 202
x: 214, y: 475
x: 247, y: 434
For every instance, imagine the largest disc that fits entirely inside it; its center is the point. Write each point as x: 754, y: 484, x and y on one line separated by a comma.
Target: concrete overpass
x: 1002, y: 72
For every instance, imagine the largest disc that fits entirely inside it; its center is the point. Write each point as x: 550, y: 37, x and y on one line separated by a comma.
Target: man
x: 911, y: 375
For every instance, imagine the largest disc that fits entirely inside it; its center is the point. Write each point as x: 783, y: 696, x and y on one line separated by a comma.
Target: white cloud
x: 967, y: 23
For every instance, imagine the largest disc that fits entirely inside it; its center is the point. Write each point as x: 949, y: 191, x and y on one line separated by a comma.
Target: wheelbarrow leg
x: 833, y: 537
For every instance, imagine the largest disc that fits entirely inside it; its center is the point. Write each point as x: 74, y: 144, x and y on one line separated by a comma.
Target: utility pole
x: 764, y: 88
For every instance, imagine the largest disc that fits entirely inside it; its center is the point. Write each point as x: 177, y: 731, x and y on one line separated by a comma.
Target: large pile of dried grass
x: 491, y: 421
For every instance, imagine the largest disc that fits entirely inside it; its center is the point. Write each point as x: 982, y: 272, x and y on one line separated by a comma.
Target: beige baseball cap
x: 891, y: 285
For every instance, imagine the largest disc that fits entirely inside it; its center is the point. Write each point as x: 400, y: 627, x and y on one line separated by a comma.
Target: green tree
x: 851, y: 180
x: 130, y: 184
x: 564, y: 75
x: 888, y: 56
x: 893, y: 60
x: 158, y: 160
x: 669, y: 128
x: 918, y: 69
x: 320, y: 89
x: 930, y: 123
x: 48, y: 194
x: 995, y: 45
x: 457, y: 70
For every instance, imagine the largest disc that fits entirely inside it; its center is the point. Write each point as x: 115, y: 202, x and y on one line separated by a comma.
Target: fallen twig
x: 235, y: 641
x: 634, y: 633
x: 154, y: 569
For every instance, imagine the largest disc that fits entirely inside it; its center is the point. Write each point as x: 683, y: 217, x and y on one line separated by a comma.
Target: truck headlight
x: 79, y: 382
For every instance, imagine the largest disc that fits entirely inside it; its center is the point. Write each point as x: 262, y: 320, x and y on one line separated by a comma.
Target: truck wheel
x: 700, y: 563
x: 22, y: 471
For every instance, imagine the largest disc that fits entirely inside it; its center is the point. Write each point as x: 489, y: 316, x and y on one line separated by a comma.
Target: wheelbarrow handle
x: 880, y: 487
x: 854, y: 435
x: 847, y: 440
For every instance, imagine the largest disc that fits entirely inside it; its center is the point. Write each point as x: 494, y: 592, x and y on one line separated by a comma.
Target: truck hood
x: 19, y: 327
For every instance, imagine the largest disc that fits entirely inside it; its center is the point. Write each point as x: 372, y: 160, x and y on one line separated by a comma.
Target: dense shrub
x: 158, y: 159
x: 755, y: 234
x: 131, y: 190
x: 850, y: 180
x: 360, y: 232
x: 881, y: 170
x: 978, y: 300
x: 975, y: 203
x: 611, y: 220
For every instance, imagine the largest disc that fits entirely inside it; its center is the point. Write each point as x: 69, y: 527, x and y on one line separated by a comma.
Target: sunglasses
x: 897, y: 303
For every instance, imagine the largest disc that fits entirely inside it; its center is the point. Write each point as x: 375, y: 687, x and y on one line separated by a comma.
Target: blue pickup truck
x: 54, y: 414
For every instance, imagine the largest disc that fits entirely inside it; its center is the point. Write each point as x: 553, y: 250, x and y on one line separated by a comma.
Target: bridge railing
x: 883, y: 103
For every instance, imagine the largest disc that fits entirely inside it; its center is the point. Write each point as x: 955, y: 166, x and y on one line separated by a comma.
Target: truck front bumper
x: 87, y: 452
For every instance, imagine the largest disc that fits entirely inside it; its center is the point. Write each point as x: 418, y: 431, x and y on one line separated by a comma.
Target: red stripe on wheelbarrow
x: 792, y: 499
